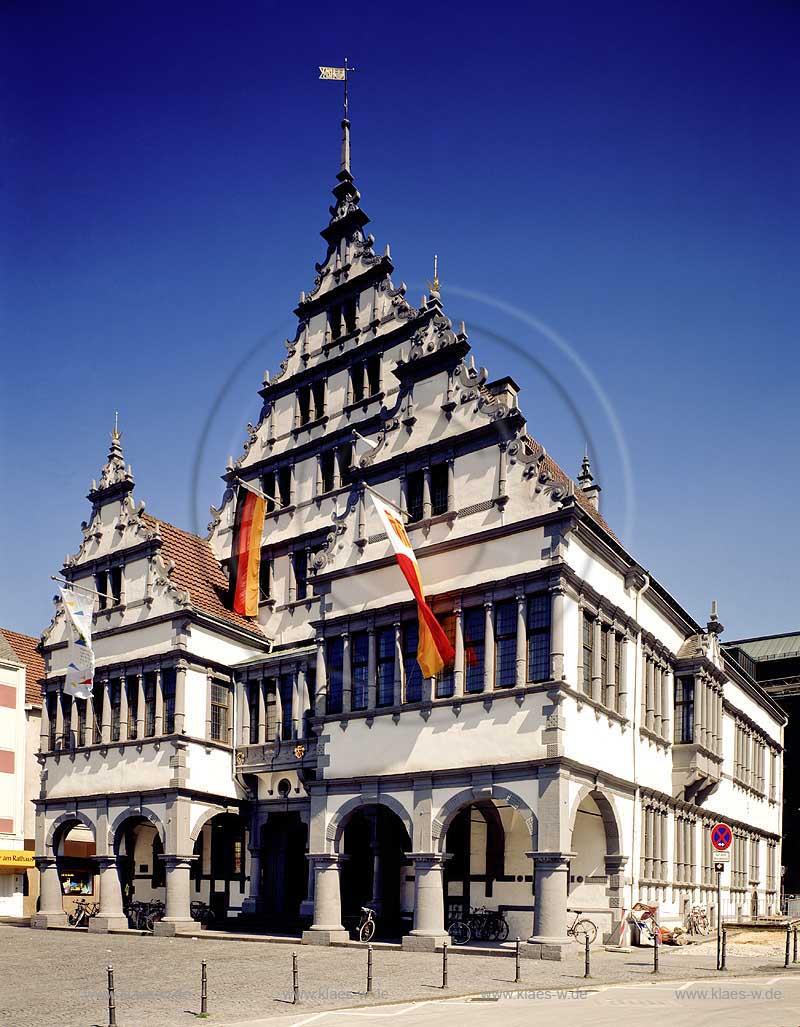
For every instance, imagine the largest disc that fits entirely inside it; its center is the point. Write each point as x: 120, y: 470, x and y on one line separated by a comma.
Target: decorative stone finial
x: 586, y: 481
x: 115, y: 476
x: 714, y: 627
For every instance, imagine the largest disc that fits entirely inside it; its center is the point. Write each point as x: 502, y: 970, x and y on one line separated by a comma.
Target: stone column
x: 451, y: 483
x: 347, y: 674
x: 111, y: 916
x: 105, y: 716
x: 327, y: 925
x: 321, y: 697
x: 159, y: 718
x: 458, y: 663
x: 557, y: 634
x: 488, y: 647
x: 44, y: 731
x: 398, y: 664
x: 667, y: 691
x: 140, y: 706
x: 550, y: 875
x: 51, y: 905
x: 426, y: 492
x: 178, y: 917
x: 253, y: 902
x: 522, y: 642
x: 123, y: 709
x: 610, y: 698
x: 622, y: 684
x: 428, y: 932
x: 649, y: 709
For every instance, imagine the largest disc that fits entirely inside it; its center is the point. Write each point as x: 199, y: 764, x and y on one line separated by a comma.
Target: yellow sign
x: 15, y: 859
x: 338, y: 74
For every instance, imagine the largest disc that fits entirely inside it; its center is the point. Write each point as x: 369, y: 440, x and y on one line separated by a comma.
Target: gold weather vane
x: 338, y: 75
x: 116, y: 434
x: 434, y: 285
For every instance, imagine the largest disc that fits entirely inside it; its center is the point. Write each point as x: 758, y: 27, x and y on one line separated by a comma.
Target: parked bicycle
x: 481, y: 924
x: 581, y: 929
x: 202, y: 913
x: 82, y: 913
x: 366, y: 924
x: 142, y: 916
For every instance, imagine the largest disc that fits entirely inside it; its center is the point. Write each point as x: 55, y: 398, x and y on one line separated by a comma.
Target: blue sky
x: 625, y: 175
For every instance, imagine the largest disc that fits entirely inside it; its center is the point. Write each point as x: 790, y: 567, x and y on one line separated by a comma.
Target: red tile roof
x: 198, y: 572
x: 24, y: 648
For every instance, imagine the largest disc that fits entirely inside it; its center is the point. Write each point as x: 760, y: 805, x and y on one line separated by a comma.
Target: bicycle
x: 82, y: 913
x: 366, y: 925
x: 480, y: 923
x: 581, y: 929
x: 697, y: 921
x: 142, y: 916
x: 155, y: 912
x: 202, y: 913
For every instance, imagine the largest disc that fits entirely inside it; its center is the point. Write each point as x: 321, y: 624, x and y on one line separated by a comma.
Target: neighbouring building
x: 289, y: 768
x: 774, y: 662
x: 21, y: 677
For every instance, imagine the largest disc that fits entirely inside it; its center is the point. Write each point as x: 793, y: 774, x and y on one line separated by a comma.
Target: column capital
x: 552, y: 860
x: 174, y: 862
x: 45, y: 862
x: 323, y: 860
x: 104, y: 862
x: 428, y: 860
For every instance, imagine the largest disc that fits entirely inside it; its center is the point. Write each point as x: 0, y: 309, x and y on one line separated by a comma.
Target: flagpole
x: 258, y: 492
x: 81, y: 588
x: 383, y: 499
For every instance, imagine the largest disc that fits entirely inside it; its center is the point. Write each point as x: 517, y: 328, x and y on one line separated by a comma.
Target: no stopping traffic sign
x: 721, y: 837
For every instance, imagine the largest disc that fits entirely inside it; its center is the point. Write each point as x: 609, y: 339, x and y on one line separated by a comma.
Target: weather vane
x: 434, y: 285
x: 338, y: 75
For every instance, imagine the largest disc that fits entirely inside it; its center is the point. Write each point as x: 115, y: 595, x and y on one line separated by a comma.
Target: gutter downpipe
x: 637, y: 684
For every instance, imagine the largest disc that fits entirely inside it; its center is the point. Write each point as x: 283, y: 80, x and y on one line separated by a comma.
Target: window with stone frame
x: 505, y: 644
x: 538, y: 627
x: 359, y: 669
x: 439, y: 480
x: 115, y: 584
x: 386, y: 655
x: 373, y: 374
x: 411, y: 668
x: 344, y: 454
x: 264, y: 576
x: 132, y: 686
x: 169, y: 691
x: 52, y: 707
x: 80, y: 732
x: 605, y: 631
x: 588, y: 651
x: 772, y: 865
x: 286, y: 690
x: 268, y: 487
x: 335, y: 668
x: 755, y: 858
x: 684, y: 710
x: 318, y: 390
x: 115, y: 700
x: 445, y: 679
x: 474, y: 648
x: 304, y: 408
x: 357, y: 382
x: 253, y: 709
x: 149, y: 704
x: 335, y: 321
x: 773, y: 776
x: 101, y: 587
x: 327, y: 469
x: 285, y: 485
x: 220, y: 701
x: 350, y: 314
x: 98, y: 699
x: 300, y: 570
x: 415, y: 485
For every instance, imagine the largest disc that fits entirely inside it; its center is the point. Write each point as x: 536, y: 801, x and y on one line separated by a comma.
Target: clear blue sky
x: 626, y: 174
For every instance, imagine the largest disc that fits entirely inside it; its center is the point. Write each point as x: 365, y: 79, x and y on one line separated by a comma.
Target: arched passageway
x: 219, y: 873
x: 74, y: 849
x: 596, y: 866
x: 376, y: 871
x: 142, y: 873
x: 487, y: 865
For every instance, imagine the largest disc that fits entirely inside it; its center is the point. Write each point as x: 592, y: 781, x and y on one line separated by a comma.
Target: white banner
x: 338, y: 74
x: 80, y: 657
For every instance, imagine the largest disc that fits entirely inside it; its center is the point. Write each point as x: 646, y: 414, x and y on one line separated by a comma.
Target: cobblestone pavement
x: 53, y: 978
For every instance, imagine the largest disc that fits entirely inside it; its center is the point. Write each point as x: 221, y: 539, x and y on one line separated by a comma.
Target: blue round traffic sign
x: 721, y: 837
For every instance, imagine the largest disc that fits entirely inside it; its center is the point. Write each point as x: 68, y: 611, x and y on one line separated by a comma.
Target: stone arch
x: 204, y: 818
x: 467, y: 797
x: 339, y: 820
x: 142, y: 812
x: 72, y: 818
x: 608, y: 813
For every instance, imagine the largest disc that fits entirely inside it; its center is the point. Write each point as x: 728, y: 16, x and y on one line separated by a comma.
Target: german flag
x: 248, y: 528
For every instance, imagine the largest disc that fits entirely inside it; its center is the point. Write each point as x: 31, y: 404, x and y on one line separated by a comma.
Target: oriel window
x: 220, y: 696
x: 684, y: 709
x: 253, y: 689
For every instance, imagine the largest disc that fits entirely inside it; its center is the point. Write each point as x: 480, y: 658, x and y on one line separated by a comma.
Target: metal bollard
x: 369, y: 969
x: 203, y: 989
x: 656, y: 947
x: 295, y: 981
x: 587, y: 966
x: 444, y: 965
x: 794, y: 954
x: 518, y: 969
x: 723, y: 961
x: 788, y: 944
x: 112, y: 1003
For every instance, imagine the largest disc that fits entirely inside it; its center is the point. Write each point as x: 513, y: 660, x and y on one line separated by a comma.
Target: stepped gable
x: 24, y: 649
x: 196, y: 571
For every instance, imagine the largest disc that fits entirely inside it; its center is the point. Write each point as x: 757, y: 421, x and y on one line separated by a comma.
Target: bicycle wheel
x: 584, y: 929
x: 73, y: 918
x: 150, y: 920
x: 500, y: 929
x: 459, y: 932
x: 366, y: 931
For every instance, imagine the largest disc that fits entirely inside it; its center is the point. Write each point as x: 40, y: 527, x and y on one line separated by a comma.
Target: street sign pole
x: 719, y: 916
x: 721, y: 837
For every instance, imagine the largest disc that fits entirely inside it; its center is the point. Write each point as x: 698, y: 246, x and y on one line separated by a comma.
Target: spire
x: 115, y: 478
x: 586, y: 481
x: 346, y: 215
x: 345, y: 165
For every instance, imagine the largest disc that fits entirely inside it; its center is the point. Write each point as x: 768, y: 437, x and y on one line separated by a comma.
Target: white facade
x: 574, y: 756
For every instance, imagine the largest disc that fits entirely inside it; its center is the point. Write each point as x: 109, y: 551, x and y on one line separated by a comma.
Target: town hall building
x: 289, y: 768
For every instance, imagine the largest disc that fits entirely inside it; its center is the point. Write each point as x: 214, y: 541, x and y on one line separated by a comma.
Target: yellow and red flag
x: 434, y: 651
x: 248, y: 527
